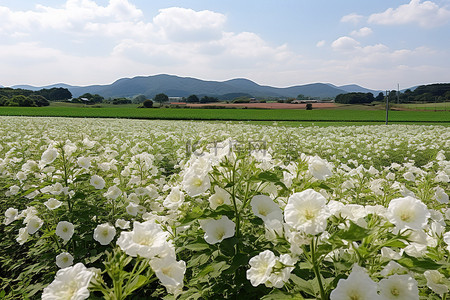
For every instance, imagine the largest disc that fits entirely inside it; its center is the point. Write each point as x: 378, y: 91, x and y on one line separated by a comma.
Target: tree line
x: 23, y: 97
x: 438, y: 92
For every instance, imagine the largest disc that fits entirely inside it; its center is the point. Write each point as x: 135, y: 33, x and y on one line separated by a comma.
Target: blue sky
x: 375, y: 44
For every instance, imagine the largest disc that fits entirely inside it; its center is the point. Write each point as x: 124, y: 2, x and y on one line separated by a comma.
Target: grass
x: 443, y: 106
x: 130, y: 111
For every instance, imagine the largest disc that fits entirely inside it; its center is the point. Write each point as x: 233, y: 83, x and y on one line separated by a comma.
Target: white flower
x: 104, y: 233
x: 220, y: 197
x: 122, y: 224
x: 264, y: 207
x: 261, y: 267
x: 358, y: 285
x: 281, y: 271
x: 319, y: 168
x: 97, y: 182
x: 13, y: 190
x: 147, y: 240
x: 407, y: 212
x: 307, y: 211
x: 52, y: 203
x: 64, y: 260
x: 175, y: 199
x: 113, y: 193
x: 11, y: 214
x: 195, y: 184
x: 393, y: 268
x: 84, y: 162
x: 132, y: 209
x: 170, y: 272
x: 33, y: 224
x: 436, y: 282
x: 23, y: 236
x: 49, y: 156
x: 409, y: 176
x: 65, y: 230
x: 21, y: 176
x: 218, y: 230
x: 69, y: 283
x: 440, y: 195
x: 401, y: 287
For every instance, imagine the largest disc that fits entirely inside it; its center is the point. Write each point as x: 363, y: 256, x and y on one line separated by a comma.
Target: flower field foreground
x: 116, y: 209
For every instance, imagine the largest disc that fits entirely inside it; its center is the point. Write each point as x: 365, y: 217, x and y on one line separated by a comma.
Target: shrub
x: 147, y: 103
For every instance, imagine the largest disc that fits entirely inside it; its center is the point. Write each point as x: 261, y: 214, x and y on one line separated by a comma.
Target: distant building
x: 176, y: 99
x: 296, y: 101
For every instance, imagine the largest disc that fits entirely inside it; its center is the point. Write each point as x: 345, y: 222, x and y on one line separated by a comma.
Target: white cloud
x: 345, y: 43
x: 352, y: 18
x: 181, y: 24
x: 73, y: 15
x: 427, y: 14
x: 362, y: 32
x: 320, y: 43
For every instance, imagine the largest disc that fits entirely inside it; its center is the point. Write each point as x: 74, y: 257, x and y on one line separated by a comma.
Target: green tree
x: 147, y: 103
x: 379, y: 97
x: 21, y: 100
x: 193, y: 99
x: 39, y: 100
x: 161, y: 98
x: 139, y: 99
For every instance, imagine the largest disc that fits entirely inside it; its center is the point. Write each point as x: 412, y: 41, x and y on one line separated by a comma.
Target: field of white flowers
x: 116, y: 209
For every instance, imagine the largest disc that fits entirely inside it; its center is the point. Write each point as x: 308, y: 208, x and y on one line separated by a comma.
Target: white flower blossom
x: 11, y: 214
x: 408, y: 213
x: 307, y: 211
x: 104, y: 233
x: 437, y: 282
x: 264, y: 207
x: 147, y: 240
x: 69, y: 283
x: 49, y: 156
x: 65, y: 230
x: 64, y: 260
x: 170, y: 272
x: 218, y: 230
x: 401, y: 287
x: 358, y: 285
x: 220, y: 197
x: 52, y: 203
x: 97, y: 182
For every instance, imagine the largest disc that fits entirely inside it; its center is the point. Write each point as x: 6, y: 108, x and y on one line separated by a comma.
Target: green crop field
x: 230, y: 114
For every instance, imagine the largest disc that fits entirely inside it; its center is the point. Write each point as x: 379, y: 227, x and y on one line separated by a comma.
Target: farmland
x: 342, y: 115
x: 162, y: 208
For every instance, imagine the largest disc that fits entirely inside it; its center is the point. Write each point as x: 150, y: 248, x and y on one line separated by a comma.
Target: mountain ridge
x: 176, y: 86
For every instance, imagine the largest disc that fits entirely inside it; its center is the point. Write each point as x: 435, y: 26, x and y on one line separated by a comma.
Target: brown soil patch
x: 263, y: 105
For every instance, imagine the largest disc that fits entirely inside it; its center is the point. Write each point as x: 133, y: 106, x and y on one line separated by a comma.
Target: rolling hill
x: 175, y: 86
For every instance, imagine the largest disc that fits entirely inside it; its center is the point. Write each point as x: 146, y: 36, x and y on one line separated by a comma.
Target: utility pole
x: 398, y: 93
x: 387, y: 107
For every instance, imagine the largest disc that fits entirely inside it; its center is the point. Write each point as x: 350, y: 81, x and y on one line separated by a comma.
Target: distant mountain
x: 175, y: 86
x: 354, y: 88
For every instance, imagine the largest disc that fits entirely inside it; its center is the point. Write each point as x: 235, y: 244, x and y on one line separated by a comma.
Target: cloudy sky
x: 376, y: 44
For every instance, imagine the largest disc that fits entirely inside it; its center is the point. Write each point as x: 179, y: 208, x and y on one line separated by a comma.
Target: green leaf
x: 136, y: 283
x: 268, y: 176
x: 395, y: 243
x: 303, y: 285
x: 206, y: 270
x: 238, y: 261
x: 279, y: 295
x: 197, y: 246
x: 419, y: 265
x: 354, y: 233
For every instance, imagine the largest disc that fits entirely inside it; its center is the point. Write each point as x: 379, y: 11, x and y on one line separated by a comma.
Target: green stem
x: 316, y: 269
